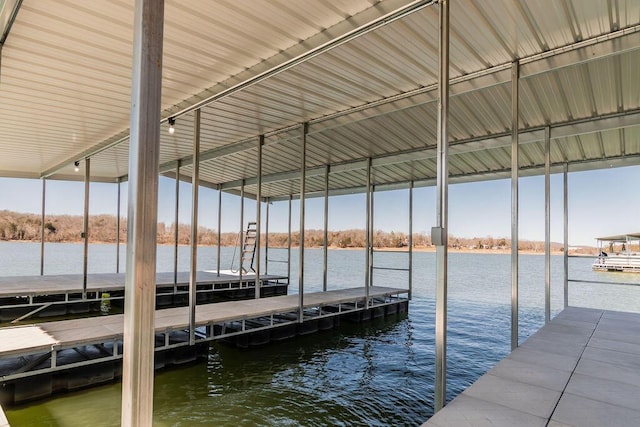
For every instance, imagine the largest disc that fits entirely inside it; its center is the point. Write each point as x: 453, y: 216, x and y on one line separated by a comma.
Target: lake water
x: 376, y: 374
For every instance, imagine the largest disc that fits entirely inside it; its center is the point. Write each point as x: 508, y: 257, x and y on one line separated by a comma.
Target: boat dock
x: 37, y: 353
x: 25, y: 296
x: 581, y: 369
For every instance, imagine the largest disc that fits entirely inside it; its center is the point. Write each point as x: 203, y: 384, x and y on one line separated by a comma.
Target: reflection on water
x: 378, y: 373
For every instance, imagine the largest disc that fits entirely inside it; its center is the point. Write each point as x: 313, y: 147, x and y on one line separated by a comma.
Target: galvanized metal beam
x: 85, y: 227
x: 442, y: 203
x: 547, y: 225
x: 325, y: 246
x: 140, y: 301
x: 219, y: 230
x: 410, y: 240
x: 303, y: 180
x: 176, y: 231
x: 193, y: 269
x: 515, y: 81
x: 368, y: 270
x: 118, y: 202
x: 565, y: 214
x: 44, y: 197
x: 258, y: 216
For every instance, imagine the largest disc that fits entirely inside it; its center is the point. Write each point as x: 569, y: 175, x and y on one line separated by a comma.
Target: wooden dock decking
x: 581, y: 369
x: 44, y: 342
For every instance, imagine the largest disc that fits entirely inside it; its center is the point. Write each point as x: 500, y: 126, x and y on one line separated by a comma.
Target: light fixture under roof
x: 76, y: 165
x: 172, y: 122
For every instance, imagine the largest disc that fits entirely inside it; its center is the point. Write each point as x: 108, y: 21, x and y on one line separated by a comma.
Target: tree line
x: 16, y: 226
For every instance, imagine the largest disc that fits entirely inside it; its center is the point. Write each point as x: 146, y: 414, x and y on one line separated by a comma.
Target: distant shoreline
x: 505, y: 251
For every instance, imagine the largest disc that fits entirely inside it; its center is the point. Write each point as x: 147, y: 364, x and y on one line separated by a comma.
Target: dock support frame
x: 515, y: 80
x: 266, y: 236
x: 441, y: 229
x: 410, y: 239
x: 138, y: 365
x: 289, y: 241
x: 368, y: 243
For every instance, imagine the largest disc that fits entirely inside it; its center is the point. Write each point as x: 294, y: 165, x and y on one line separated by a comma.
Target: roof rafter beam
x: 576, y: 127
x: 588, y: 50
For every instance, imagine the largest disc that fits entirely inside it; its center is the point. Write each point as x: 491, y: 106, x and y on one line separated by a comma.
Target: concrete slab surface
x: 581, y: 369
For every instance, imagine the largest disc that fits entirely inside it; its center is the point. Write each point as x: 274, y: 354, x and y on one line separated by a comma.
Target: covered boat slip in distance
x: 618, y: 253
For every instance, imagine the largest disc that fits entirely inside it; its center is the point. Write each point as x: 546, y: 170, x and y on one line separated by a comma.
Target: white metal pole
x: 410, y: 239
x: 219, y: 226
x: 547, y: 224
x: 289, y: 242
x: 566, y: 233
x: 195, y: 187
x: 85, y: 227
x: 325, y: 246
x: 258, y: 216
x: 515, y: 72
x: 142, y: 223
x: 176, y: 233
x: 118, y: 203
x: 441, y: 229
x: 266, y: 238
x: 44, y: 194
x: 303, y: 179
x: 367, y: 274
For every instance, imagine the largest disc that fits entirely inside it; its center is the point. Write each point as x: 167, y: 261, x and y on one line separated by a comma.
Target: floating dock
x: 89, y: 350
x: 581, y: 369
x: 57, y: 295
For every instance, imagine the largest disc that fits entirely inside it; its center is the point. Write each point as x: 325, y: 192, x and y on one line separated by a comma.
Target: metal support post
x: 367, y: 273
x: 547, y: 224
x: 258, y: 215
x: 289, y: 242
x: 515, y: 78
x: 219, y: 227
x: 410, y: 239
x: 140, y: 300
x: 371, y: 234
x: 44, y: 195
x: 566, y: 233
x: 118, y: 226
x: 85, y: 227
x: 195, y: 187
x: 303, y: 179
x: 266, y: 239
x: 176, y: 234
x: 241, y: 240
x: 440, y: 231
x: 325, y: 246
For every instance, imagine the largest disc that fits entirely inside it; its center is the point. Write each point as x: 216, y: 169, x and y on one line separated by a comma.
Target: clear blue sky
x: 601, y: 202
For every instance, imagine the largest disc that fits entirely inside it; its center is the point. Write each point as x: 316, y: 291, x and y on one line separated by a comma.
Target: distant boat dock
x: 56, y: 295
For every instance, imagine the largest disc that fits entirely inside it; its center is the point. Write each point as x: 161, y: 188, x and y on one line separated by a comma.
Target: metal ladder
x: 249, y: 247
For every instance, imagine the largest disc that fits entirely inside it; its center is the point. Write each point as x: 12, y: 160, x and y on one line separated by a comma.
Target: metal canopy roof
x: 361, y: 73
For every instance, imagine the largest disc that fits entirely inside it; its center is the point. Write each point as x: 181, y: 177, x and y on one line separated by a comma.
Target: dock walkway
x: 40, y: 348
x: 581, y: 369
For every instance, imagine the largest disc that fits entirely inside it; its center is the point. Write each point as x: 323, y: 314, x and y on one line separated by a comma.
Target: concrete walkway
x: 3, y: 419
x: 582, y: 369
